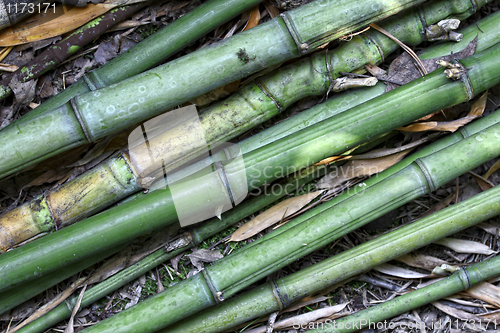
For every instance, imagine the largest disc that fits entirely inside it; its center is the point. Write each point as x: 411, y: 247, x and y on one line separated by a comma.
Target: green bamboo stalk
x: 276, y: 295
x: 62, y: 50
x: 239, y: 270
x: 16, y: 296
x: 190, y: 238
x: 337, y: 134
x: 92, y: 116
x: 101, y: 182
x: 161, y: 45
x: 463, y: 279
x: 207, y: 229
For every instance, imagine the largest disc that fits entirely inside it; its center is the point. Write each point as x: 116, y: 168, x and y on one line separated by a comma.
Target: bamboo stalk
x: 101, y: 182
x: 190, y: 238
x: 161, y: 45
x: 92, y: 116
x: 334, y: 135
x: 62, y: 50
x: 463, y: 279
x: 233, y: 273
x: 263, y: 300
x: 13, y: 297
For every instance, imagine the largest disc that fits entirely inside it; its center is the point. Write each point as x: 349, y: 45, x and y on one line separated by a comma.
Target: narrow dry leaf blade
x: 46, y: 308
x: 494, y: 168
x: 481, y: 181
x: 489, y: 228
x: 445, y: 126
x: 465, y: 246
x: 273, y: 11
x: 486, y: 292
x: 421, y: 261
x: 50, y: 24
x: 47, y: 177
x: 69, y: 328
x: 440, y: 205
x: 400, y: 272
x: 359, y: 168
x: 272, y: 216
x: 254, y: 18
x: 456, y: 313
x: 303, y: 319
x: 8, y: 68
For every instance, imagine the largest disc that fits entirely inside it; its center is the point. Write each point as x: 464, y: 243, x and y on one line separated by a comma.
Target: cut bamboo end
x: 23, y: 223
x: 86, y: 195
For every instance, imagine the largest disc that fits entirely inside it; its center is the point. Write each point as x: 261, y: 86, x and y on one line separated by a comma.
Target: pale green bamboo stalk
x: 156, y: 210
x: 152, y: 51
x: 116, y: 178
x: 263, y: 299
x: 92, y: 116
x: 463, y: 279
x: 191, y: 238
x: 233, y: 273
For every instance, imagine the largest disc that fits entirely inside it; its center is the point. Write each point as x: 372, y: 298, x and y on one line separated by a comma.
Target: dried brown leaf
x: 69, y: 328
x: 51, y: 305
x: 272, y: 216
x: 400, y: 272
x: 445, y: 126
x: 358, y: 168
x: 483, y: 183
x: 440, y: 205
x: 486, y: 292
x: 489, y: 228
x: 8, y: 68
x: 465, y: 246
x: 478, y: 107
x: 46, y: 25
x: 273, y: 11
x: 198, y: 257
x: 254, y: 18
x: 493, y: 168
x: 47, y: 177
x: 421, y: 261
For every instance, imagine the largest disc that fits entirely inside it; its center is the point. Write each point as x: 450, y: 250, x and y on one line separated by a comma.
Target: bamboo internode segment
x: 250, y: 106
x: 332, y: 136
x: 263, y: 299
x: 160, y: 46
x: 461, y: 280
x: 222, y: 281
x: 194, y: 237
x: 239, y: 270
x: 91, y: 116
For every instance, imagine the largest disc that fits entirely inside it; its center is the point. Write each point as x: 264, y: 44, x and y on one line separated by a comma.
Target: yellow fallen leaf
x: 478, y: 107
x: 55, y: 22
x: 272, y: 216
x: 254, y: 18
x: 494, y: 168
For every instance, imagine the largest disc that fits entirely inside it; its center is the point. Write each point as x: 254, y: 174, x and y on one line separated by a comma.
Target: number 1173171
x: 30, y: 8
